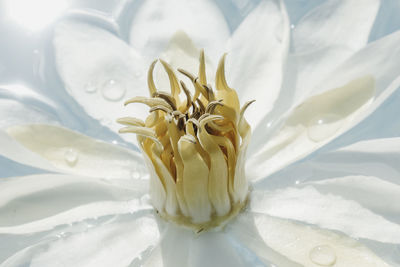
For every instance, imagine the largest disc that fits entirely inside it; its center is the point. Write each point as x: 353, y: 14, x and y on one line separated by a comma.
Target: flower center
x: 194, y: 147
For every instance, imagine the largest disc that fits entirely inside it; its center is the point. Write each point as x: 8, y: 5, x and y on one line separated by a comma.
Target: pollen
x: 194, y: 143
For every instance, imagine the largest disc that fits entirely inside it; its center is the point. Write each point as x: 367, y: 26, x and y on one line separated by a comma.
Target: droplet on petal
x: 323, y: 255
x: 90, y: 88
x: 113, y: 90
x: 135, y: 174
x: 324, y: 126
x: 71, y: 156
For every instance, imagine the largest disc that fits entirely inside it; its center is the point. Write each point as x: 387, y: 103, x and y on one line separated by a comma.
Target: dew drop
x: 71, y: 157
x: 323, y: 255
x: 135, y: 174
x: 292, y: 26
x: 113, y: 90
x: 324, y: 126
x: 90, y: 88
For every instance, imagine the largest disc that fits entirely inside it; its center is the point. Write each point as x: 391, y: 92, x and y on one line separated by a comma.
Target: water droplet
x: 324, y: 126
x: 135, y: 174
x: 113, y: 90
x: 90, y: 88
x: 297, y: 182
x: 292, y: 26
x: 323, y: 255
x: 71, y: 156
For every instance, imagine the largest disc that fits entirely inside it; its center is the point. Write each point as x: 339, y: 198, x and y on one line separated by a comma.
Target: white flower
x: 89, y: 206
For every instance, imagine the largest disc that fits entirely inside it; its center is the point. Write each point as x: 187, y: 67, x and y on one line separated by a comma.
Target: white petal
x: 379, y: 158
x: 371, y: 192
x: 99, y: 71
x: 327, y: 211
x: 362, y: 83
x: 258, y: 51
x: 327, y: 36
x: 20, y: 104
x: 117, y: 243
x: 181, y: 247
x: 302, y: 245
x: 156, y: 22
x: 336, y: 23
x: 40, y: 202
x: 55, y: 148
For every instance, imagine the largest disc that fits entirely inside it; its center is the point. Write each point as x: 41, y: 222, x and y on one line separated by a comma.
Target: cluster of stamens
x: 194, y: 148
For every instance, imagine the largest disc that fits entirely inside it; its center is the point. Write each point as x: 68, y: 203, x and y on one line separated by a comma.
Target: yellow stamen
x: 194, y: 148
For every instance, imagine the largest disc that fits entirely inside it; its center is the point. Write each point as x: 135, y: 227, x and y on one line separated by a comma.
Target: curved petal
x: 20, y: 104
x: 116, y: 243
x: 58, y: 149
x: 362, y: 83
x: 99, y: 71
x: 327, y: 36
x: 302, y: 245
x: 372, y: 158
x: 371, y: 192
x: 327, y: 211
x: 157, y: 21
x: 39, y: 202
x: 189, y: 249
x: 258, y: 51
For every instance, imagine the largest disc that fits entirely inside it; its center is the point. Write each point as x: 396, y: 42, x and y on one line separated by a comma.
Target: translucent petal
x: 362, y: 83
x: 257, y: 52
x: 40, y: 202
x: 157, y: 21
x: 326, y: 210
x: 99, y: 71
x: 117, y: 243
x: 301, y: 245
x: 327, y: 36
x: 56, y: 148
x: 371, y: 192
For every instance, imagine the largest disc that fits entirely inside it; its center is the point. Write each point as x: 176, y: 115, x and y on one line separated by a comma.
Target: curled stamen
x: 187, y: 93
x: 177, y: 113
x: 195, y: 149
x: 187, y: 74
x: 202, y: 69
x: 150, y: 80
x: 189, y: 138
x: 167, y: 97
x: 143, y: 131
x: 130, y: 121
x: 245, y: 106
x: 201, y: 106
x: 151, y: 102
x: 210, y: 93
x: 204, y: 116
x: 212, y: 105
x: 162, y: 108
x: 194, y: 121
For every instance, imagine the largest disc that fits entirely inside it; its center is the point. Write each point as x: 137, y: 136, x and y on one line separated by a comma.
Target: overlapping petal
x: 326, y: 37
x: 293, y: 244
x: 118, y: 243
x: 61, y: 150
x: 36, y: 203
x: 362, y: 83
x: 99, y: 71
x: 257, y: 55
x: 157, y: 21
